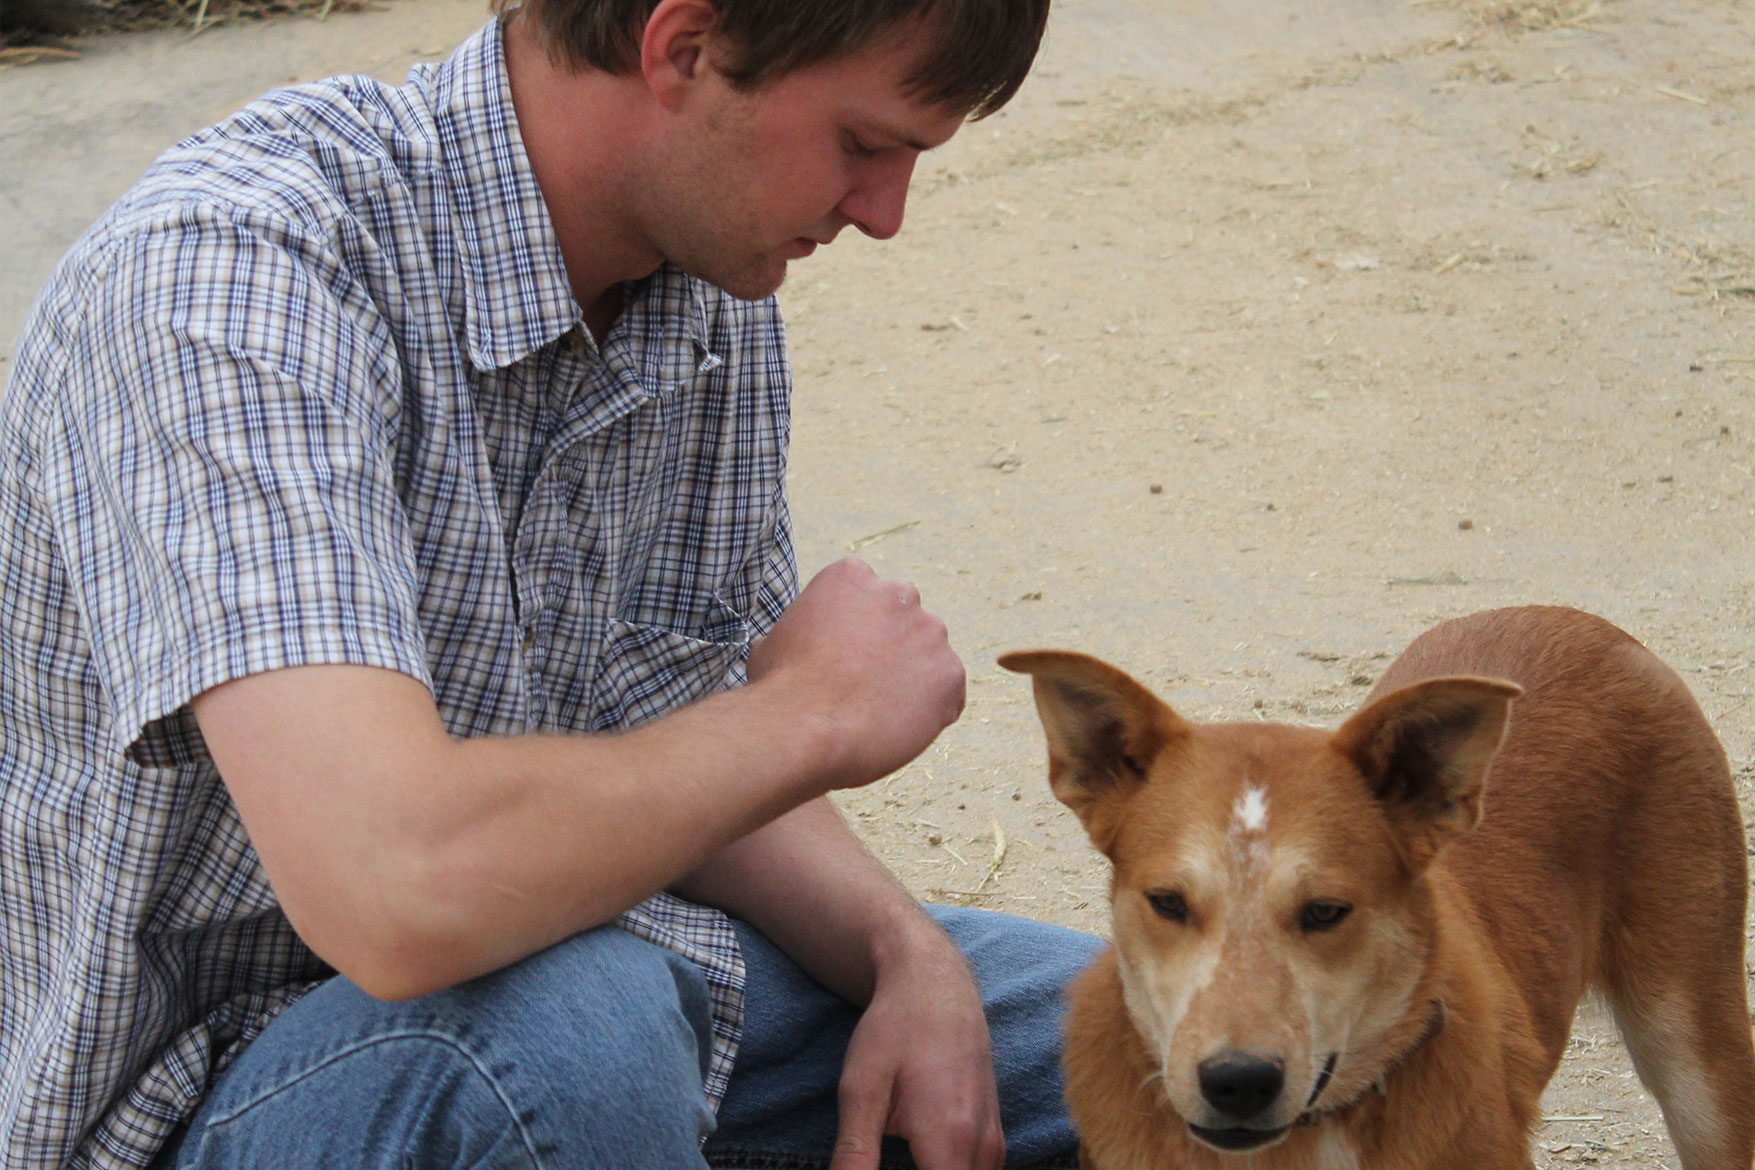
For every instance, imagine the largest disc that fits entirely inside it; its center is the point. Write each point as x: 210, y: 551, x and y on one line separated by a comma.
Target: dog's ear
x: 1424, y: 750
x: 1104, y: 729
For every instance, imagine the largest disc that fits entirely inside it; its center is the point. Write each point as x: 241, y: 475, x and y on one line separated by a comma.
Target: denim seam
x: 746, y: 1159
x: 372, y: 1042
x: 736, y: 1159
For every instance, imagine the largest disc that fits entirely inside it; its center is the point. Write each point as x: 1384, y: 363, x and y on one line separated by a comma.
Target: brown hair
x: 980, y: 56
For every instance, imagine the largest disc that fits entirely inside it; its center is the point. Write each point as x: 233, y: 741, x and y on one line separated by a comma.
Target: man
x: 402, y: 587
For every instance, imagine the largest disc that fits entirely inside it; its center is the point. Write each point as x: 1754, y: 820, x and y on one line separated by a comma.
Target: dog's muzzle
x: 1241, y: 1089
x: 1237, y: 1139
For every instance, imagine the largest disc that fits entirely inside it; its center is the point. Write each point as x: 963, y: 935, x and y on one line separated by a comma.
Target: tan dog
x: 1353, y: 950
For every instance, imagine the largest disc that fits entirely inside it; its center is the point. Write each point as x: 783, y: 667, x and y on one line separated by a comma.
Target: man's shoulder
x: 291, y: 170
x: 304, y: 153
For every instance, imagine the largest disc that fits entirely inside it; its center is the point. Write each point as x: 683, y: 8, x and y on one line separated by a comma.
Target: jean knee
x: 587, y: 1054
x: 607, y: 1026
x: 408, y: 1096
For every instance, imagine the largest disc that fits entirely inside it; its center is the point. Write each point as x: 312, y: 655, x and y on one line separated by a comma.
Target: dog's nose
x: 1240, y: 1085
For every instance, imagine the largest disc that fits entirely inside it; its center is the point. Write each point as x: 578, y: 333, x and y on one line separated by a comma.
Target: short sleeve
x: 778, y: 584
x: 221, y: 472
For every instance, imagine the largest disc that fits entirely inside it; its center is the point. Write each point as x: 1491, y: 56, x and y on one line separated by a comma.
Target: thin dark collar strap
x: 1313, y: 1115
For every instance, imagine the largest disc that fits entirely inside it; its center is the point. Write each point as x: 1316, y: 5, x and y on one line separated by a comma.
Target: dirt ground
x: 1250, y: 342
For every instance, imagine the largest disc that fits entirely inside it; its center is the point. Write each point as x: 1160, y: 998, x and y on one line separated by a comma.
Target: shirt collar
x: 516, y: 295
x: 666, y: 315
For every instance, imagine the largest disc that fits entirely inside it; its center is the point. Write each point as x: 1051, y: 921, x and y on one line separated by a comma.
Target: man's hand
x: 860, y: 654
x: 919, y: 1066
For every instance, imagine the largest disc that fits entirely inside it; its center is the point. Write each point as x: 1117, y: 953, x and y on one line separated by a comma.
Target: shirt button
x: 529, y: 641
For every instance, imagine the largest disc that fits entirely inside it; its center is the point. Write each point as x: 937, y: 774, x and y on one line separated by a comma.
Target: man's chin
x: 752, y: 284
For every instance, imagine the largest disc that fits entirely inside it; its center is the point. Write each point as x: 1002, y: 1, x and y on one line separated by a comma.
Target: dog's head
x: 1272, y: 913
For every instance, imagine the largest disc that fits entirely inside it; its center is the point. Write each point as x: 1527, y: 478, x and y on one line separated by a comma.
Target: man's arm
x: 919, y: 1064
x: 411, y: 861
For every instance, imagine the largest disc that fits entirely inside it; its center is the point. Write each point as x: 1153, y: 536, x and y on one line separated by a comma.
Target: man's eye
x: 854, y: 146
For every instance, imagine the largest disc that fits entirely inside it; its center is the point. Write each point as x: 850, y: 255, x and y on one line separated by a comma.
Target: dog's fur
x: 1606, y: 851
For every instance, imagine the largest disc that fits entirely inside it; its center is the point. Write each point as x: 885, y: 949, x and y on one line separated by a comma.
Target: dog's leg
x: 1670, y: 960
x: 1675, y: 983
x: 1692, y: 1050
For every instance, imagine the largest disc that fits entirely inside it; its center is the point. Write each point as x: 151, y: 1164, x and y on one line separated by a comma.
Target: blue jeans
x: 591, y: 1054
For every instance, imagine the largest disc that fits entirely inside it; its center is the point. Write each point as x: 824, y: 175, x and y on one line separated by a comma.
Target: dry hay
x: 33, y: 30
x: 1526, y: 15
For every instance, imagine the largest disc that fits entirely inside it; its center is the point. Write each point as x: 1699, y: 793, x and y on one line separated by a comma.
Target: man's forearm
x: 807, y: 883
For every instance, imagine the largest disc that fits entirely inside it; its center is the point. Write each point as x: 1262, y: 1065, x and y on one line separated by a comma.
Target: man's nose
x: 876, y: 205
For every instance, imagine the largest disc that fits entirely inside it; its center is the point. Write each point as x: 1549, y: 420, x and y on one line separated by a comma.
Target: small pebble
x: 1157, y: 489
x: 1465, y: 524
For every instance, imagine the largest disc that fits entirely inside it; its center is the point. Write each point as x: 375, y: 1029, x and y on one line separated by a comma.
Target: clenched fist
x: 860, y: 654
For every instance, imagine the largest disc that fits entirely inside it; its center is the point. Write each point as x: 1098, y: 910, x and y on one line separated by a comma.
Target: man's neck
x: 581, y: 131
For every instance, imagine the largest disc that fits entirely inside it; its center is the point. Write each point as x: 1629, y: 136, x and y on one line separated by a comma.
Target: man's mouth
x: 1237, y: 1139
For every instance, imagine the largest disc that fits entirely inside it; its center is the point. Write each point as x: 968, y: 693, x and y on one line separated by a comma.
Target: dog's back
x: 1611, y: 802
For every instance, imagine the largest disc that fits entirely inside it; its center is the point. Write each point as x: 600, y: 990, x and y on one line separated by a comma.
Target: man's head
x: 774, y: 124
x: 978, y: 51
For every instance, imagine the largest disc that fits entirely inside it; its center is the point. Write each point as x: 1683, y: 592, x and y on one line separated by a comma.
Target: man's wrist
x: 816, y: 742
x: 907, y: 942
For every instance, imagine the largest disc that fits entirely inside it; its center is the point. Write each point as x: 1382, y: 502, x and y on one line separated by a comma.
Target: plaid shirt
x: 316, y: 391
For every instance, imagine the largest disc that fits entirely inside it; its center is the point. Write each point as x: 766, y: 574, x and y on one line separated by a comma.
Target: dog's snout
x: 1239, y: 1085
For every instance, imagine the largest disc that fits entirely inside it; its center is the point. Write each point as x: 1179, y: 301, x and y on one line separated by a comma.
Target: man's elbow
x: 397, y: 943
x: 393, y: 976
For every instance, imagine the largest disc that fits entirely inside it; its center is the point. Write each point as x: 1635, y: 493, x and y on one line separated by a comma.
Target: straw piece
x: 1676, y: 93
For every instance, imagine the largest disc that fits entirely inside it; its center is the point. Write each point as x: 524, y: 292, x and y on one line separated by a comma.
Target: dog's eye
x: 1322, y: 915
x: 1169, y: 905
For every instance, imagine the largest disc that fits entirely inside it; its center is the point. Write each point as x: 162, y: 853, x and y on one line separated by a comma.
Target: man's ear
x: 1423, y: 752
x: 675, y: 47
x: 1104, y: 729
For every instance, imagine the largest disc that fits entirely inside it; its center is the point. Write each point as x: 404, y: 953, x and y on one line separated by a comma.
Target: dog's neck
x: 1314, y: 1115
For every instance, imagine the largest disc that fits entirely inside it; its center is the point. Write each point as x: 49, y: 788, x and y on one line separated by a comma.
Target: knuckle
x: 855, y: 1091
x: 852, y: 1143
x: 963, y: 1138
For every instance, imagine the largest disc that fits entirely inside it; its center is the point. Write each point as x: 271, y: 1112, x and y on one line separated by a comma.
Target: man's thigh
x: 588, y: 1054
x: 780, y: 1108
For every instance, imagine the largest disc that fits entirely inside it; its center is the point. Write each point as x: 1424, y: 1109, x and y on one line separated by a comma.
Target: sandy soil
x: 1251, y: 341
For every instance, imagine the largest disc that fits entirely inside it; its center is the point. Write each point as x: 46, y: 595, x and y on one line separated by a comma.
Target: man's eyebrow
x: 899, y: 137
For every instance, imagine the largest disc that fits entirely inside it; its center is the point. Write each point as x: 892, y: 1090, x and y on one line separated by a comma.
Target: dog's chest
x: 1335, y: 1152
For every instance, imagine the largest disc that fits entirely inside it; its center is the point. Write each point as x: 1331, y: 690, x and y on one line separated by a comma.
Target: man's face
x: 756, y: 178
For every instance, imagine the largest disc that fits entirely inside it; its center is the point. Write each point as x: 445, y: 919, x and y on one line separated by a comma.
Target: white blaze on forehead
x: 1249, y: 814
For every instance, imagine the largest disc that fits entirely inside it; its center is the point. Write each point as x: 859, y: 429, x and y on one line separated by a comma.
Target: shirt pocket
x: 647, y: 670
